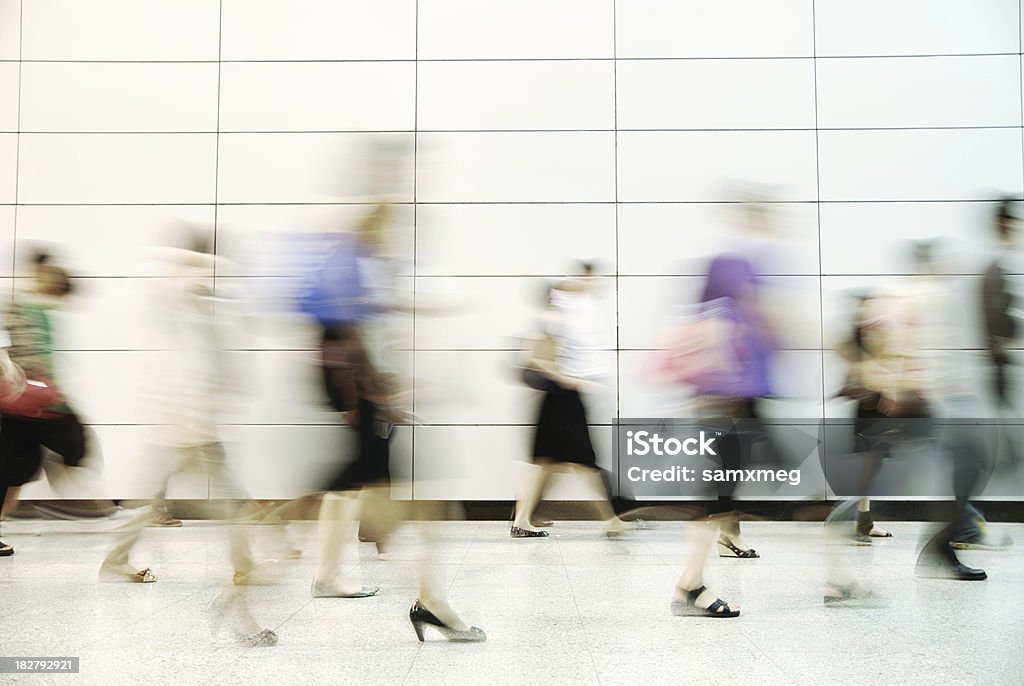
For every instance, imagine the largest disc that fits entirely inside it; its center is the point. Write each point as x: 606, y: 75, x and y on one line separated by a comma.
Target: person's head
x: 39, y: 258
x: 52, y: 281
x: 1005, y: 221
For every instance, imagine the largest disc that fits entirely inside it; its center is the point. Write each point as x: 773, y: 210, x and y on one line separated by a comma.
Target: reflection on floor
x: 573, y: 608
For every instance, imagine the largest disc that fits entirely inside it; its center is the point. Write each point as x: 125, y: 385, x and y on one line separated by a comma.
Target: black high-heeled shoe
x: 728, y: 548
x: 421, y: 617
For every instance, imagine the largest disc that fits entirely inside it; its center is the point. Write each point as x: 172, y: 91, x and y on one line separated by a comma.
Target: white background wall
x: 541, y: 131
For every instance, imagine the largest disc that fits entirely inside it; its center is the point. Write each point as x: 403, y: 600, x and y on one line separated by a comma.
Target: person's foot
x: 866, y: 527
x: 520, y: 532
x: 734, y: 546
x: 6, y: 550
x: 944, y: 569
x: 262, y: 574
x: 161, y: 517
x: 262, y: 639
x: 448, y: 625
x: 614, y: 528
x: 126, y: 573
x: 700, y: 602
x: 340, y: 589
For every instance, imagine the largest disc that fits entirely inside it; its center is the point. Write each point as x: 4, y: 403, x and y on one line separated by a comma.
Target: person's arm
x: 11, y: 374
x: 997, y: 302
x: 541, y: 355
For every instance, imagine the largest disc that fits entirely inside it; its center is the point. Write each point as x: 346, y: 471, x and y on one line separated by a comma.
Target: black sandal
x: 726, y: 548
x: 719, y: 608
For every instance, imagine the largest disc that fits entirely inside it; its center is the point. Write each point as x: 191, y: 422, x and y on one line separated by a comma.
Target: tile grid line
x: 576, y: 604
x: 451, y: 203
x: 415, y: 242
x: 17, y: 148
x: 216, y: 183
x: 536, y: 130
x: 817, y: 186
x: 405, y: 60
x: 445, y: 203
x: 618, y: 292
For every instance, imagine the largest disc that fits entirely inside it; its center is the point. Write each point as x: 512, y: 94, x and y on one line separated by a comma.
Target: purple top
x: 733, y: 277
x: 335, y: 293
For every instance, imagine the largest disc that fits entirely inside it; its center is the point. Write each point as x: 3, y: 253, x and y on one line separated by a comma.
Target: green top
x: 31, y: 332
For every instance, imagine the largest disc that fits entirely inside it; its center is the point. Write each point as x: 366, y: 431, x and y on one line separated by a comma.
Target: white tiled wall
x: 535, y: 133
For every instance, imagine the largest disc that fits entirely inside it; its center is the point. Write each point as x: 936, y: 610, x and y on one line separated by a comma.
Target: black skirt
x: 22, y: 441
x: 371, y: 465
x: 879, y: 432
x: 562, y: 434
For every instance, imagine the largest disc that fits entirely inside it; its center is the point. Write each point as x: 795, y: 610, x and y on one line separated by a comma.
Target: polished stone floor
x: 574, y: 608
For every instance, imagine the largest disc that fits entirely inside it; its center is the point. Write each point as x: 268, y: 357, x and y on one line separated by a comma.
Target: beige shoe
x: 163, y: 518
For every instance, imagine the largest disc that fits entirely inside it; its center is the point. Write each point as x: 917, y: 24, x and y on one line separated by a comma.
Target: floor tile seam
x: 458, y: 568
x: 579, y: 615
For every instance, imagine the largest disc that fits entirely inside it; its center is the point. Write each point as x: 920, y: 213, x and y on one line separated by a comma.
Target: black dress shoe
x: 5, y: 550
x: 957, y: 571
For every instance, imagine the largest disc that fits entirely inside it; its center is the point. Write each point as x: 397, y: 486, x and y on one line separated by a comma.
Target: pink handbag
x: 701, y: 351
x: 34, y: 400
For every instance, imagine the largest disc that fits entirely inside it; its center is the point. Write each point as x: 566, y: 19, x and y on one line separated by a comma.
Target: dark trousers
x: 22, y: 442
x: 967, y: 446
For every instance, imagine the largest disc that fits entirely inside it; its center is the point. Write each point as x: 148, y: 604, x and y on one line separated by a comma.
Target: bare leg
x: 381, y: 515
x: 338, y: 513
x: 702, y: 536
x: 532, y: 486
x: 154, y: 472
x: 223, y: 478
x: 602, y: 505
x: 116, y: 566
x: 432, y: 583
x: 5, y: 550
x: 10, y: 502
x: 545, y: 480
